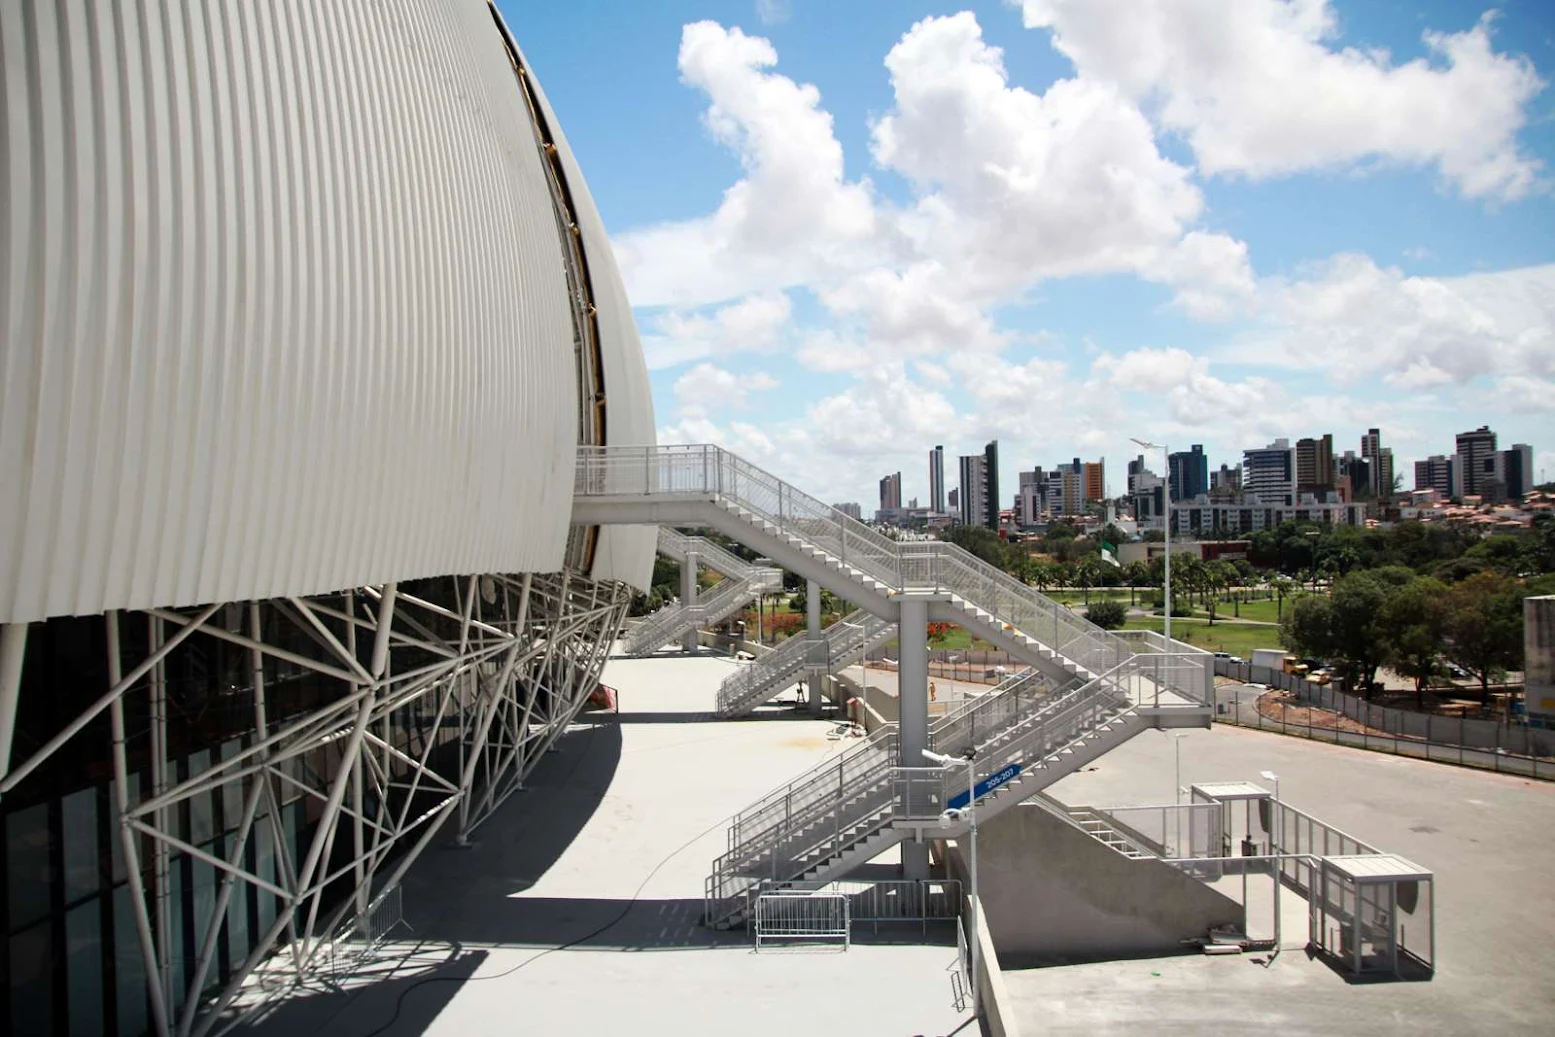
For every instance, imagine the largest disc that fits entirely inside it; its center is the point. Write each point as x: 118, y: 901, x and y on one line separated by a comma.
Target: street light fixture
x: 970, y: 814
x: 1166, y: 594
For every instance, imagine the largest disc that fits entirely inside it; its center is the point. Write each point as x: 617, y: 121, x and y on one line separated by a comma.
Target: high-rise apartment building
x: 1226, y: 479
x: 1476, y: 459
x: 891, y: 492
x: 1269, y: 474
x: 953, y: 502
x: 1384, y: 477
x: 1517, y: 470
x: 992, y: 502
x: 1070, y: 486
x: 1315, y: 464
x: 937, y: 480
x: 1371, y: 453
x: 1189, y: 473
x: 1438, y: 473
x: 1029, y: 502
x: 851, y: 509
x: 1095, y: 480
x: 974, y: 490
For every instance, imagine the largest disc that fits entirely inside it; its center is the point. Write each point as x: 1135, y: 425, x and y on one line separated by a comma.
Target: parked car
x: 1239, y: 660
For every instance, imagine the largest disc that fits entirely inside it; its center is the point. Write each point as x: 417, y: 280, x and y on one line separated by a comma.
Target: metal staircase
x: 857, y: 804
x: 741, y: 584
x: 1097, y: 827
x: 1089, y: 689
x: 841, y: 644
x: 709, y: 486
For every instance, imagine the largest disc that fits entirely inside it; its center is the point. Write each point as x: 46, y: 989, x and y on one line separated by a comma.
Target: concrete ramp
x: 1054, y: 894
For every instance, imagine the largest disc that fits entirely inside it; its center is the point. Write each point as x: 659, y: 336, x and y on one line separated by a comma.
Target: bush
x: 1108, y: 615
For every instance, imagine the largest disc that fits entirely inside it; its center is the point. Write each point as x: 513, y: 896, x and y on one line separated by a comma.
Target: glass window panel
x: 79, y: 812
x: 177, y: 911
x: 264, y: 867
x: 232, y: 791
x: 32, y: 993
x: 27, y: 851
x: 237, y: 919
x: 201, y: 821
x: 84, y: 958
x: 129, y: 965
x: 203, y: 900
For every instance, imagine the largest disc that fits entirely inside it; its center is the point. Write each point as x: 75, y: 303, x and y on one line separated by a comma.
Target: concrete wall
x: 1054, y: 894
x: 994, y: 1000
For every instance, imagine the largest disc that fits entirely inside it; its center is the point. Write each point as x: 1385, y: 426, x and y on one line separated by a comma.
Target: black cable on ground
x: 399, y: 1002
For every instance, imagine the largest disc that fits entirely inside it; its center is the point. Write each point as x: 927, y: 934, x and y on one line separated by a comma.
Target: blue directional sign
x: 985, y: 786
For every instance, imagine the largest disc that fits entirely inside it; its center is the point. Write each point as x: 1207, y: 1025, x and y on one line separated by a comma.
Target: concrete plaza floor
x: 577, y: 910
x: 1489, y: 839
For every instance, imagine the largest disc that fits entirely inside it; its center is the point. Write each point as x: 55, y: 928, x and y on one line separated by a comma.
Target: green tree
x: 1343, y: 627
x: 1282, y: 586
x: 1138, y: 575
x: 1411, y: 625
x: 1484, y: 627
x: 1109, y: 615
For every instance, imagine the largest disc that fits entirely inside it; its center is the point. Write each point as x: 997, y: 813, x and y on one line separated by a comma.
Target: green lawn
x: 1238, y: 639
x: 955, y: 640
x: 1077, y: 598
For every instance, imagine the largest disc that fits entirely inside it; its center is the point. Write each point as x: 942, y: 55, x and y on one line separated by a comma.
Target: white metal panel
x: 625, y: 553
x: 282, y: 304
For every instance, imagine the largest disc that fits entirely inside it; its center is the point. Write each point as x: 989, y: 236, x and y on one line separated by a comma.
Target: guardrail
x: 1485, y: 744
x: 796, y: 915
x: 708, y: 472
x: 837, y: 644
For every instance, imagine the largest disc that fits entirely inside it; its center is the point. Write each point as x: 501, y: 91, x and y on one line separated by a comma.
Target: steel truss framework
x: 441, y: 708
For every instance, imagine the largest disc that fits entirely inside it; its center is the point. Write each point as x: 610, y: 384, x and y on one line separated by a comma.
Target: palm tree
x: 1282, y: 586
x: 1136, y: 573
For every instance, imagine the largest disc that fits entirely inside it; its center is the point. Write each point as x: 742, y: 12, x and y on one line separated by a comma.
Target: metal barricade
x: 802, y: 916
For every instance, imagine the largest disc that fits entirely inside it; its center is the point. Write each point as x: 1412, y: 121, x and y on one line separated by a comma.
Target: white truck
x: 1273, y: 658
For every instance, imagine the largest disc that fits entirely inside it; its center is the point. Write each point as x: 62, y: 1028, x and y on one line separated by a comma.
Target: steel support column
x: 688, y: 597
x: 813, y: 631
x: 912, y: 697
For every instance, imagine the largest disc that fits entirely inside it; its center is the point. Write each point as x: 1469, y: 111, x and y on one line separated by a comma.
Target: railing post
x: 647, y: 472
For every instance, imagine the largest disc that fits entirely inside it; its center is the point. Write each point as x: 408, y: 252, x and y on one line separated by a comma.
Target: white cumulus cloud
x: 1262, y: 88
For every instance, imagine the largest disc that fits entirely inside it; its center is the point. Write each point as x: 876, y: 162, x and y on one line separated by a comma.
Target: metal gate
x: 802, y: 916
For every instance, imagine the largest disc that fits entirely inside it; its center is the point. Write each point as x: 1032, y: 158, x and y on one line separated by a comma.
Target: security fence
x: 802, y: 916
x: 1488, y: 744
x: 915, y: 901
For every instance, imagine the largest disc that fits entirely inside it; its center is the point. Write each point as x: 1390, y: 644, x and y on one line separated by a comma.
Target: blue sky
x: 853, y: 231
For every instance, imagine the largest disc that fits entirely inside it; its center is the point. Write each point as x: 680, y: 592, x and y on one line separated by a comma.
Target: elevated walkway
x: 842, y: 644
x: 1087, y: 689
x: 741, y: 584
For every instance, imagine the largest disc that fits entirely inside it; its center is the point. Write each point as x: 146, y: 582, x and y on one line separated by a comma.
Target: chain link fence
x: 1334, y: 716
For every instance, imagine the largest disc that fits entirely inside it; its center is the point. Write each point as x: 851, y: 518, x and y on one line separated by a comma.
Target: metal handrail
x: 839, y: 645
x: 675, y: 544
x: 726, y: 597
x: 853, y: 796
x: 711, y: 472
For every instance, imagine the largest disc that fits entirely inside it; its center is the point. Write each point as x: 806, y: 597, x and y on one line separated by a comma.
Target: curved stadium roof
x: 284, y: 308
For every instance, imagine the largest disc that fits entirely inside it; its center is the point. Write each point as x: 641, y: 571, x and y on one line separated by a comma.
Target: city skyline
x: 829, y: 278
x: 1403, y: 469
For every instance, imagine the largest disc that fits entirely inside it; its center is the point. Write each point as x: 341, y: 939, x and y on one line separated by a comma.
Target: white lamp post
x: 1274, y: 846
x: 971, y: 816
x: 1167, y: 590
x: 1177, y: 738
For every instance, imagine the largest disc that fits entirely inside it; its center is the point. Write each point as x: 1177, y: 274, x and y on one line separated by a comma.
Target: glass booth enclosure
x: 1374, y: 915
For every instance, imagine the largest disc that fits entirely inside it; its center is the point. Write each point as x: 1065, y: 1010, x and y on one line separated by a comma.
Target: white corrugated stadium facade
x: 305, y: 310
